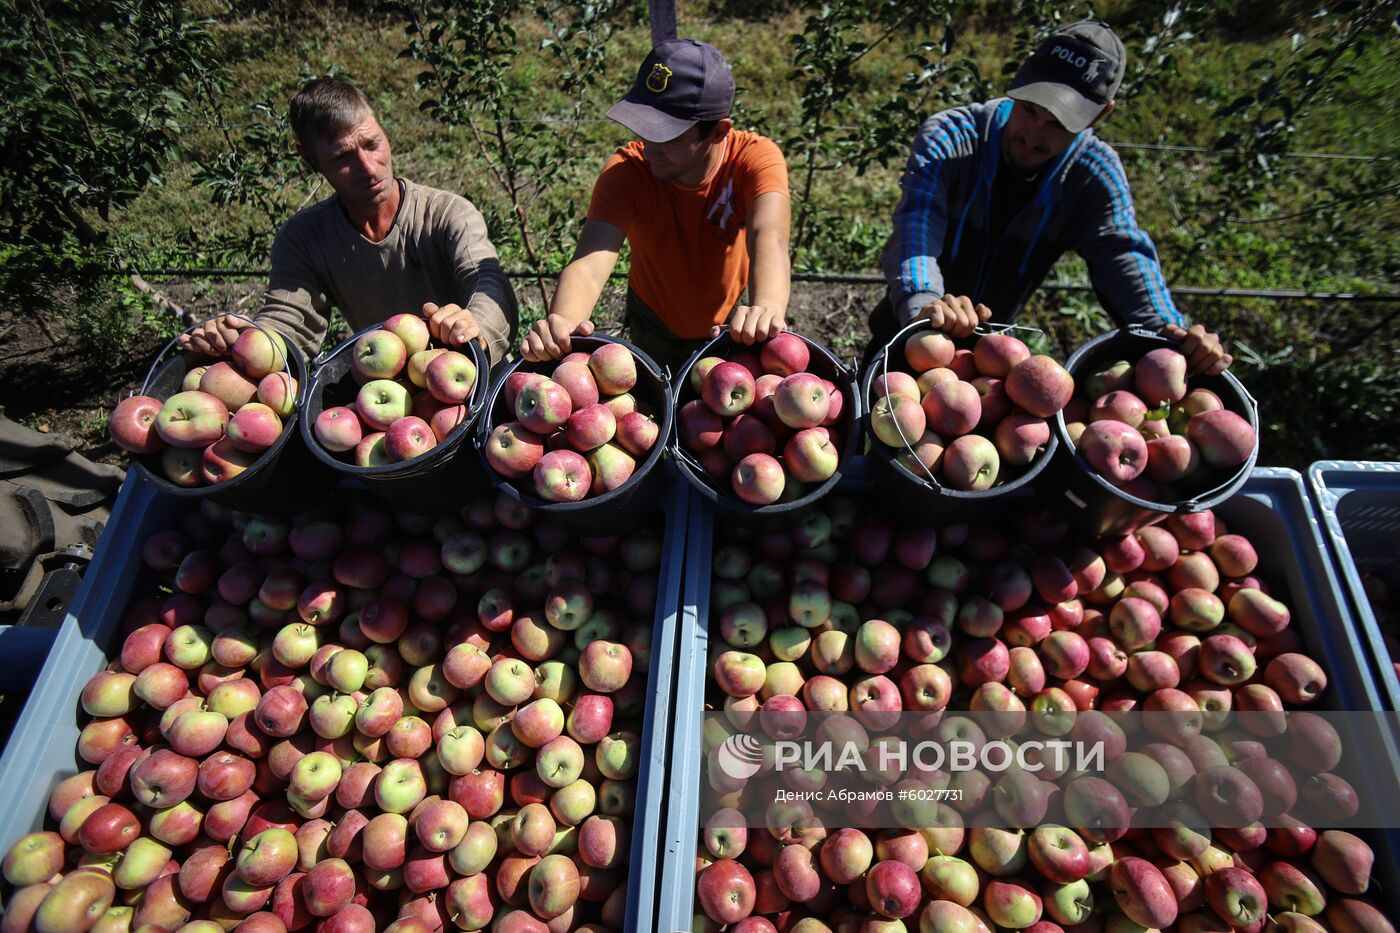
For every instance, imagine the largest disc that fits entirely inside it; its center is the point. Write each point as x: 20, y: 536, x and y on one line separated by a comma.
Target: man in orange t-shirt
x: 704, y: 207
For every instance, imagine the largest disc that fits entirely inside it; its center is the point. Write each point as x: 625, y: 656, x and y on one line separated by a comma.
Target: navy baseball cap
x: 1074, y: 74
x: 681, y: 83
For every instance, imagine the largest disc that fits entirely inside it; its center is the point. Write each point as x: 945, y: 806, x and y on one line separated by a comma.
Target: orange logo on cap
x: 658, y: 79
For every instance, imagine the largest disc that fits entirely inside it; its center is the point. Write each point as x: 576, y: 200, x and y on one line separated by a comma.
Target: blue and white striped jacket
x: 940, y: 246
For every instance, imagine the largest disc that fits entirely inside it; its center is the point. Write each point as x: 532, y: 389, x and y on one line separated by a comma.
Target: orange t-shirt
x: 690, y: 260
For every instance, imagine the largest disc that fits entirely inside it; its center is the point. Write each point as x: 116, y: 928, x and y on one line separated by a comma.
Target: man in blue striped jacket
x: 994, y: 193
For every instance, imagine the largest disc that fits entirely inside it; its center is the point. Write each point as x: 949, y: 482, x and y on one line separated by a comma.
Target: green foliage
x: 471, y: 51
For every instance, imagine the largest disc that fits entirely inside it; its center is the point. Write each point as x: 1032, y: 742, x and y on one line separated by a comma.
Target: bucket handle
x: 145, y: 383
x: 914, y: 325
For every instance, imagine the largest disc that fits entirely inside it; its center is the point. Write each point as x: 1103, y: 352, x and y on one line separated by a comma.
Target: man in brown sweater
x: 379, y: 246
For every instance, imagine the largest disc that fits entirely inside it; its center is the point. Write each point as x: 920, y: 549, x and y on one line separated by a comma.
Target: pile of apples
x: 577, y: 432
x: 411, y: 396
x: 847, y: 614
x: 763, y: 424
x: 354, y: 721
x: 1142, y: 427
x: 970, y: 418
x: 225, y: 416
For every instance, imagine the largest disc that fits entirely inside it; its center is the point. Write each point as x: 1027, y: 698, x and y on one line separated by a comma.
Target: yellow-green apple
x: 617, y: 755
x: 701, y: 369
x: 417, y: 368
x: 971, y: 463
x: 381, y: 402
x: 947, y: 878
x: 224, y: 382
x: 38, y: 856
x: 192, y: 419
x: 611, y: 466
x: 810, y: 456
x: 192, y: 377
x: 1039, y: 385
x: 553, y: 887
x: 177, y: 825
x: 267, y: 857
x: 133, y: 424
x: 898, y: 420
x: 76, y: 902
x: 338, y: 429
x: 614, y: 369
x: 401, y: 786
x: 543, y: 406
x: 513, y: 450
x: 142, y: 863
x: 109, y: 693
x: 379, y: 354
x: 197, y: 732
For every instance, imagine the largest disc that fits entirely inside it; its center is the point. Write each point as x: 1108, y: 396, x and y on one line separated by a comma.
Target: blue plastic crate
x: 43, y: 747
x: 1272, y: 510
x: 23, y: 651
x: 1359, y: 504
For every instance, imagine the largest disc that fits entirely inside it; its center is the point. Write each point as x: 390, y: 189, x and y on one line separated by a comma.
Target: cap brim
x: 1074, y: 112
x: 650, y: 124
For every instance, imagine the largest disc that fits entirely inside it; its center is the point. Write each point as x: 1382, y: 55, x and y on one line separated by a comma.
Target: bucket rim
x: 419, y: 465
x: 506, y: 486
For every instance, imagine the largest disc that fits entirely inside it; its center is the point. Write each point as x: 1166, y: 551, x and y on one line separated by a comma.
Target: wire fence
x: 855, y: 278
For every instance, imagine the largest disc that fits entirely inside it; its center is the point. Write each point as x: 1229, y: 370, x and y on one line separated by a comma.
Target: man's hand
x: 548, y: 338
x: 1205, y: 354
x: 452, y: 325
x: 214, y: 337
x: 955, y: 315
x: 751, y: 324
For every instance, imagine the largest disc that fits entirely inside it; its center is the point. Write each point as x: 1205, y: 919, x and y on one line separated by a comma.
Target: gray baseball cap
x: 681, y: 82
x: 1074, y: 74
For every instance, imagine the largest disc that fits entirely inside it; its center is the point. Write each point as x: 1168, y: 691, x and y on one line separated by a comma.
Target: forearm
x: 495, y: 309
x: 581, y: 284
x: 770, y: 272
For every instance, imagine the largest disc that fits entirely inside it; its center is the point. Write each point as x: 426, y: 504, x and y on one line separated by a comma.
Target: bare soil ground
x: 55, y: 382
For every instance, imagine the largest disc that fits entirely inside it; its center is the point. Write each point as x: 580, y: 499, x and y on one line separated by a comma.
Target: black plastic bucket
x: 278, y: 482
x: 905, y: 492
x: 1098, y: 507
x: 824, y: 364
x: 428, y: 484
x: 611, y: 513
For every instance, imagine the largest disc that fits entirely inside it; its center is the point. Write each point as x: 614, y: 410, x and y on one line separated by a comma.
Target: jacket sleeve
x: 1121, y: 257
x: 296, y: 303
x: 482, y: 282
x: 921, y: 217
